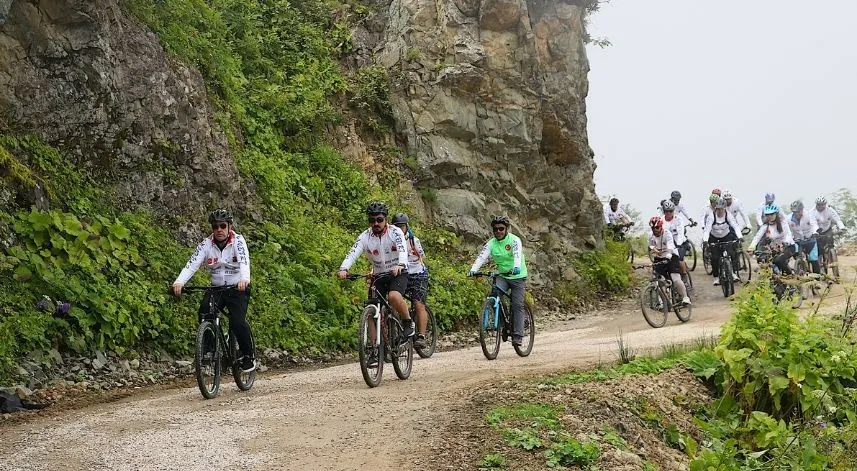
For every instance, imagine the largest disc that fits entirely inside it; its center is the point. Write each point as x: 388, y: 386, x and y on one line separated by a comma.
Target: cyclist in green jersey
x: 507, y: 252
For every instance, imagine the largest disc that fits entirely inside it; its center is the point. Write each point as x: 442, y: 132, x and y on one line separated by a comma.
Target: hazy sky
x: 750, y: 95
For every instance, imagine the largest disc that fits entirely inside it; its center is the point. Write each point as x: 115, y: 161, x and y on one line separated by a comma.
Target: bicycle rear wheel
x: 431, y: 336
x: 682, y: 311
x: 745, y: 273
x: 706, y: 259
x: 401, y: 352
x: 243, y: 380
x: 529, y: 333
x: 833, y: 262
x: 207, y: 360
x: 489, y: 329
x: 654, y: 305
x: 371, y: 355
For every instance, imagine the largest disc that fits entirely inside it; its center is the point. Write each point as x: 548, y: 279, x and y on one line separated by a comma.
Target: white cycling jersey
x: 803, y: 228
x: 826, y: 218
x: 676, y: 227
x: 615, y: 217
x: 679, y: 209
x: 760, y: 215
x: 416, y: 254
x: 737, y: 210
x: 385, y: 251
x: 706, y: 215
x: 719, y: 226
x: 664, y: 245
x: 227, y: 266
x: 775, y: 235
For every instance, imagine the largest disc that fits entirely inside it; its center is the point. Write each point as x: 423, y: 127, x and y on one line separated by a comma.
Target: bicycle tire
x: 747, y: 268
x: 682, y: 311
x: 401, y: 353
x: 206, y: 339
x: 529, y: 333
x: 243, y: 380
x: 834, y: 262
x: 648, y: 304
x: 692, y: 267
x: 706, y: 260
x: 688, y: 284
x: 726, y: 276
x: 366, y: 347
x: 431, y: 338
x: 490, y: 325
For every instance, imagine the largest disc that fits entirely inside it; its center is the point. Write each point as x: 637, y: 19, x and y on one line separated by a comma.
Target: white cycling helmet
x: 821, y: 200
x: 727, y: 194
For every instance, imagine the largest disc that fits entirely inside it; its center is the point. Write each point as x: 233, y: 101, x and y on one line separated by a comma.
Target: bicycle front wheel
x: 706, y: 260
x: 833, y: 261
x: 243, y: 380
x: 692, y: 265
x: 489, y: 329
x: 654, y: 305
x: 401, y: 349
x: 207, y: 360
x: 431, y: 336
x: 746, y: 271
x: 726, y: 276
x: 529, y: 333
x: 370, y: 353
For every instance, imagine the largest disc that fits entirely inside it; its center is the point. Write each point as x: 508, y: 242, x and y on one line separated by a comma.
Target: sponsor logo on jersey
x: 508, y: 247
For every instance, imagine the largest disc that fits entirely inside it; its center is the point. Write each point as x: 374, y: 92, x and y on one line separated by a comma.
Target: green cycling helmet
x: 714, y: 197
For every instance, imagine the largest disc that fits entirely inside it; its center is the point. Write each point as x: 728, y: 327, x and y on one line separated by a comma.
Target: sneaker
x: 735, y: 277
x: 686, y: 301
x: 517, y: 341
x: 717, y: 282
x: 409, y: 328
x: 420, y: 341
x: 248, y: 364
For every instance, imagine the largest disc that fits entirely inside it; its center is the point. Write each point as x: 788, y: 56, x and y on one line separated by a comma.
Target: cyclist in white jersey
x: 225, y: 256
x: 616, y: 219
x: 734, y: 206
x: 663, y: 248
x: 384, y: 245
x: 769, y: 201
x: 418, y: 276
x: 708, y: 211
x: 677, y: 226
x: 779, y: 238
x: 804, y: 231
x: 680, y: 209
x: 721, y: 227
x: 825, y: 217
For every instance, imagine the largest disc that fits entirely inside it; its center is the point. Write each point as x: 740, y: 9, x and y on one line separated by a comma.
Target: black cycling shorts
x: 418, y: 287
x: 393, y: 283
x: 664, y: 269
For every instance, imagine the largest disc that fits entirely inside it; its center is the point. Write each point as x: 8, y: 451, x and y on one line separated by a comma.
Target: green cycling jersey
x: 507, y: 254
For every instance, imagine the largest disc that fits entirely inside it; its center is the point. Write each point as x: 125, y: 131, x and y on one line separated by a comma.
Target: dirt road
x: 327, y: 418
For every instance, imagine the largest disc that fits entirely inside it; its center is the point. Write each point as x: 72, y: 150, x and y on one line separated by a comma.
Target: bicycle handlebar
x: 193, y: 288
x: 368, y: 276
x: 491, y: 274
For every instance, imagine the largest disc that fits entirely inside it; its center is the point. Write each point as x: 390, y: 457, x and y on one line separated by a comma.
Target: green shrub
x: 570, y: 453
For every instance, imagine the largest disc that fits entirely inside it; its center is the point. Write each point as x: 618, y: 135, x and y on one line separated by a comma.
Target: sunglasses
x: 221, y: 225
x: 377, y: 220
x: 498, y: 228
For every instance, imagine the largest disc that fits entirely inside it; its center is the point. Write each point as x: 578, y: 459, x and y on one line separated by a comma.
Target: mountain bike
x: 727, y: 284
x: 216, y: 349
x: 495, y: 321
x: 782, y: 287
x: 658, y: 298
x: 431, y: 330
x: 381, y: 334
x: 827, y: 259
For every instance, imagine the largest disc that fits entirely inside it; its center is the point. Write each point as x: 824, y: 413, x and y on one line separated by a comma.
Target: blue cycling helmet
x: 771, y: 209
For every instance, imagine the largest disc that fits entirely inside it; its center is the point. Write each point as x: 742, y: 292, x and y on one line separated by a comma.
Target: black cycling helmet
x: 614, y: 200
x: 400, y: 218
x: 376, y: 208
x: 220, y: 215
x: 675, y: 195
x: 797, y: 205
x: 504, y: 220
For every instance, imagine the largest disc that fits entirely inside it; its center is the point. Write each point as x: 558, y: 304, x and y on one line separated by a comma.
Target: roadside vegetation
x: 774, y: 391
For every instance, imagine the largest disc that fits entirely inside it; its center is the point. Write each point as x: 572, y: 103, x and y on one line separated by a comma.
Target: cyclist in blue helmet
x: 776, y: 231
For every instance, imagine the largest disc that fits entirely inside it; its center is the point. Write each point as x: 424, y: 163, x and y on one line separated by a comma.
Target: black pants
x: 782, y: 260
x: 807, y: 247
x: 234, y: 302
x: 717, y: 252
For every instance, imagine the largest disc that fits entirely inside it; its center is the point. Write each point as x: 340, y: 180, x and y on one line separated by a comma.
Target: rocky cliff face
x: 94, y: 82
x: 490, y: 97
